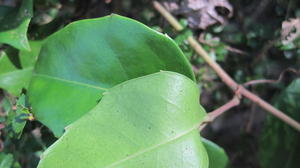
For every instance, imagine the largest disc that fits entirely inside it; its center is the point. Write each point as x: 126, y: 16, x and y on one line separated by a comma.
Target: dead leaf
x: 201, y: 13
x: 290, y: 30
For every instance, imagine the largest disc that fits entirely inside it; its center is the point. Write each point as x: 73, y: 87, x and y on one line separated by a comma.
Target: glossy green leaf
x: 151, y: 121
x: 216, y: 155
x: 280, y: 144
x: 81, y: 61
x: 14, y: 24
x: 13, y: 78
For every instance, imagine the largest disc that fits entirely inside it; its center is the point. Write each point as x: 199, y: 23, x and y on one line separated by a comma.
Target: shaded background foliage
x: 254, y: 29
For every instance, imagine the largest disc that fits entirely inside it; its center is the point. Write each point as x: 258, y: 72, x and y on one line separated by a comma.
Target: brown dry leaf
x: 290, y: 30
x: 201, y: 13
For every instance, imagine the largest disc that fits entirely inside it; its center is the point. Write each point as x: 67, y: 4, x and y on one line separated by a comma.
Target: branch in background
x: 222, y: 74
x: 261, y: 81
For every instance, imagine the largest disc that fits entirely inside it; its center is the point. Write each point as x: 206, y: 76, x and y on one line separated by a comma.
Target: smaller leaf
x: 14, y: 24
x: 13, y: 78
x: 216, y: 155
x: 6, y: 160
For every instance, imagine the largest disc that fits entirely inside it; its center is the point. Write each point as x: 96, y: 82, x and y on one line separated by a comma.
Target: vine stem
x: 222, y: 74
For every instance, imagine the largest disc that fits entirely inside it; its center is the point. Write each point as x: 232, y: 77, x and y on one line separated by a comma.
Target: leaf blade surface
x: 98, y: 53
x: 123, y: 130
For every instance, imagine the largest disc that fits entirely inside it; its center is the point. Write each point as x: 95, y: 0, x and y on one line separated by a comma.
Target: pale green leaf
x: 147, y: 122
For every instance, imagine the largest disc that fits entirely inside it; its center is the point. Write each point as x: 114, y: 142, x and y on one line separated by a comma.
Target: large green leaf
x: 280, y: 144
x: 14, y: 24
x: 14, y: 78
x: 217, y: 156
x: 81, y: 61
x: 151, y: 121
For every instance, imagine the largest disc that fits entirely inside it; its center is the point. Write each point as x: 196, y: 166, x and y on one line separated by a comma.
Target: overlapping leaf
x: 14, y: 78
x: 80, y: 62
x: 151, y: 121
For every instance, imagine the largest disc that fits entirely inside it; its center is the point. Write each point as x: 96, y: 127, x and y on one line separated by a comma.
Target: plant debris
x: 290, y: 30
x: 201, y: 13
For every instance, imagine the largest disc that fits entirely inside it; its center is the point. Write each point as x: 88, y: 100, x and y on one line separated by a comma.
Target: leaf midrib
x: 16, y: 71
x: 70, y: 81
x: 151, y: 148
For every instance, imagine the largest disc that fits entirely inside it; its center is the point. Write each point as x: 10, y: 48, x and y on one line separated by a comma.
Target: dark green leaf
x: 151, y: 121
x: 280, y: 144
x: 216, y: 155
x: 80, y: 62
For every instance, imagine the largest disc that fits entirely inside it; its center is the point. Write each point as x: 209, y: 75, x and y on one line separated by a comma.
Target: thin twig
x: 219, y: 111
x: 223, y: 75
x: 216, y: 113
x: 262, y: 81
x: 259, y: 81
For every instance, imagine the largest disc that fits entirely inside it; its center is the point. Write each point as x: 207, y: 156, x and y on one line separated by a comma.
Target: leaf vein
x: 70, y: 81
x: 151, y: 148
